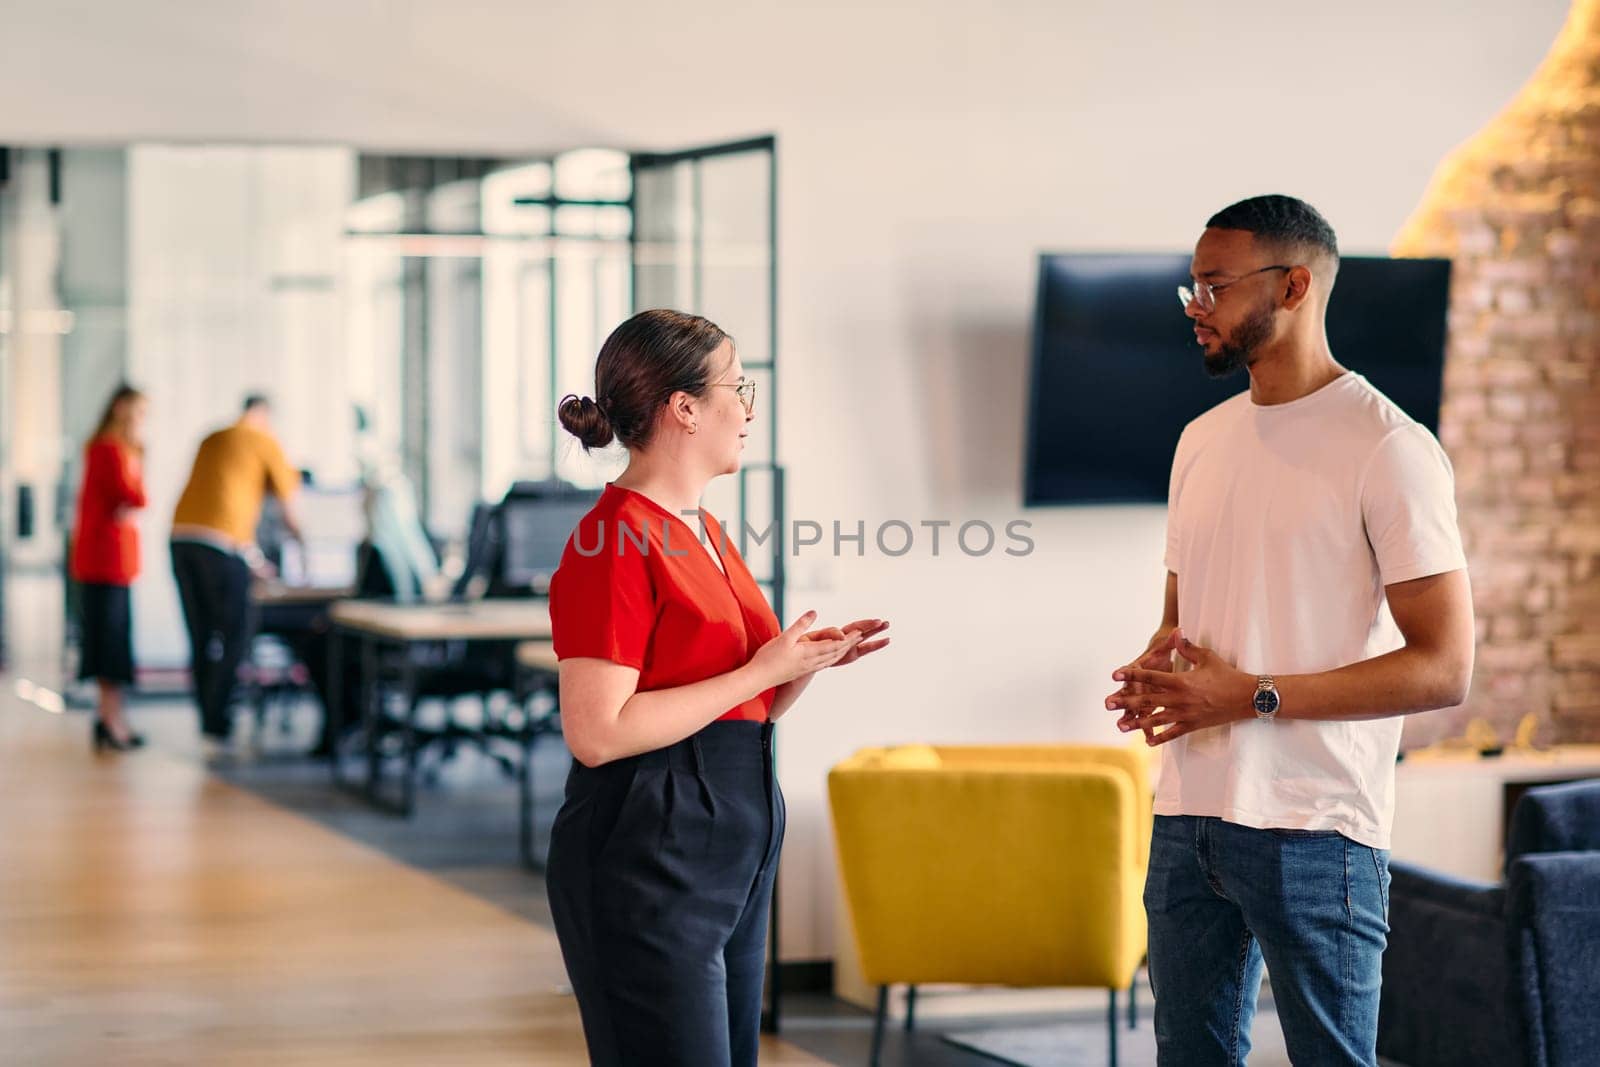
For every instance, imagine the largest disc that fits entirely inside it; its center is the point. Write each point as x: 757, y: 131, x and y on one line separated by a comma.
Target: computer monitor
x: 533, y: 533
x: 334, y: 522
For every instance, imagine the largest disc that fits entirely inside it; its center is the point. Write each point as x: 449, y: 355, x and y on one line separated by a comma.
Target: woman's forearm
x: 787, y: 694
x: 661, y: 717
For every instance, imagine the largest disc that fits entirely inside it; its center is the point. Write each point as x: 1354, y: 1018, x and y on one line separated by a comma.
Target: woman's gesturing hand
x: 794, y: 653
x: 865, y: 628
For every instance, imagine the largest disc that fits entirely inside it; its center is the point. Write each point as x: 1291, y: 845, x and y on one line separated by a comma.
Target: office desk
x: 376, y: 626
x: 537, y: 656
x: 483, y: 620
x: 271, y: 594
x: 290, y: 611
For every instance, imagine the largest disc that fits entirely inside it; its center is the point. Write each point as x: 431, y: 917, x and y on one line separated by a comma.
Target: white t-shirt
x: 1285, y: 524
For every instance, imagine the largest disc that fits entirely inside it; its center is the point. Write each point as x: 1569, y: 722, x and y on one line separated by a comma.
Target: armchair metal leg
x: 1111, y: 1029
x: 877, y: 1024
x: 1133, y: 1002
x: 911, y: 1007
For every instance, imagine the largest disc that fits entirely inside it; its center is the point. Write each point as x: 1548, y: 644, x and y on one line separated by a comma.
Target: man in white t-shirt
x: 1316, y: 591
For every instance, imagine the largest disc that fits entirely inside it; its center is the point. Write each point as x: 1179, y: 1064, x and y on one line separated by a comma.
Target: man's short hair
x: 1281, y: 220
x: 256, y: 400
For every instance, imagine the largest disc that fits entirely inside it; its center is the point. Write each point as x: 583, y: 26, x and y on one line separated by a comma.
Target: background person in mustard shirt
x: 214, y: 551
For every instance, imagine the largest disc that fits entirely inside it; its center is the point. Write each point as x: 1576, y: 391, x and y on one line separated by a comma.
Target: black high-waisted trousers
x: 660, y: 878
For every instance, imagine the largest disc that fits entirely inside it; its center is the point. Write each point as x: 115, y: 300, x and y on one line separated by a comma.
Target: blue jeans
x: 1223, y: 899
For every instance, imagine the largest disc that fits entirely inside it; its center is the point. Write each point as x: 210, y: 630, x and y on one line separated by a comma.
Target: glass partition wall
x: 474, y: 305
x: 418, y: 315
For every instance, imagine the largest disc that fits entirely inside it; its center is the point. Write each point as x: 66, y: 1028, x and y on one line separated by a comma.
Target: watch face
x: 1266, y: 701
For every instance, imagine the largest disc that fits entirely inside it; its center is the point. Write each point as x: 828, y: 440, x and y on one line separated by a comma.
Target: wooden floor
x: 150, y: 914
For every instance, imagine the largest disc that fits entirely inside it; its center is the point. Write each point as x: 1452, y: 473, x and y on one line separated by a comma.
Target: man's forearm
x: 291, y: 520
x: 1401, y: 682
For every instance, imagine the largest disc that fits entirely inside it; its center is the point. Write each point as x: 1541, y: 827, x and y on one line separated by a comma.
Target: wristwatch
x: 1266, y: 698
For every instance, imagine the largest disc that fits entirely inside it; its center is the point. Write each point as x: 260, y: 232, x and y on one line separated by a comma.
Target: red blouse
x: 635, y: 587
x: 105, y: 543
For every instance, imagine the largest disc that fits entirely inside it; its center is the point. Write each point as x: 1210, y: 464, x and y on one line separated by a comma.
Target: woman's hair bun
x: 585, y: 420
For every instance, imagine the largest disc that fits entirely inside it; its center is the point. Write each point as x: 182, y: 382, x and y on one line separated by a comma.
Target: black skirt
x: 107, y: 612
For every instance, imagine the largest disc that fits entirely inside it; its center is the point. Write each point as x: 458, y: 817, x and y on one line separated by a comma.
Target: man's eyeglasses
x: 746, y: 388
x: 1205, y: 294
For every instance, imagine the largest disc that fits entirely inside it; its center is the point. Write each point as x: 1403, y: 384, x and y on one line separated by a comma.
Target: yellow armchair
x: 1016, y: 865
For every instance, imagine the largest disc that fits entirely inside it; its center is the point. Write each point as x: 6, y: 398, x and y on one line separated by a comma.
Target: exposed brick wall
x: 1517, y: 208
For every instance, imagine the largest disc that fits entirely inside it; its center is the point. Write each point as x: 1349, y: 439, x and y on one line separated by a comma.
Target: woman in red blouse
x: 673, y: 669
x: 105, y: 559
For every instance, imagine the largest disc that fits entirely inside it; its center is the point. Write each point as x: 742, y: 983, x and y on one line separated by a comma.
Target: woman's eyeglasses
x: 746, y: 388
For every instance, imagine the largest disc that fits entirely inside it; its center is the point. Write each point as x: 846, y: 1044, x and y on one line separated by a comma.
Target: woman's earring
x: 694, y: 428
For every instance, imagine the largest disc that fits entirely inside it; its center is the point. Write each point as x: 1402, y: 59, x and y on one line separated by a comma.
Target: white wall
x: 928, y: 152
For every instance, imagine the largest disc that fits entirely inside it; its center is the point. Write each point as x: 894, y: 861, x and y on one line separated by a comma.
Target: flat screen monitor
x: 334, y: 523
x: 1117, y: 375
x: 534, y: 533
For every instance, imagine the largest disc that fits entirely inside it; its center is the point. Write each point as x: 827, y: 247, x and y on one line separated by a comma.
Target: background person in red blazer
x: 105, y: 559
x: 673, y: 668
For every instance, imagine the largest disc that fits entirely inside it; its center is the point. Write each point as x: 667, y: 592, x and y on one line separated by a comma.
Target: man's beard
x: 1238, y: 352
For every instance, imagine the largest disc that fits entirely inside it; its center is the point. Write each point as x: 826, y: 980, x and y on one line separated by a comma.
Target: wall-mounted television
x: 1117, y: 374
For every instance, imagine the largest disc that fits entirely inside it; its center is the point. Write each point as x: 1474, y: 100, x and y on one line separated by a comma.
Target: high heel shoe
x: 104, y: 738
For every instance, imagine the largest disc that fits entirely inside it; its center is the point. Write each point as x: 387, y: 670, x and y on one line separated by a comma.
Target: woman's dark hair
x: 644, y: 361
x: 123, y: 394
